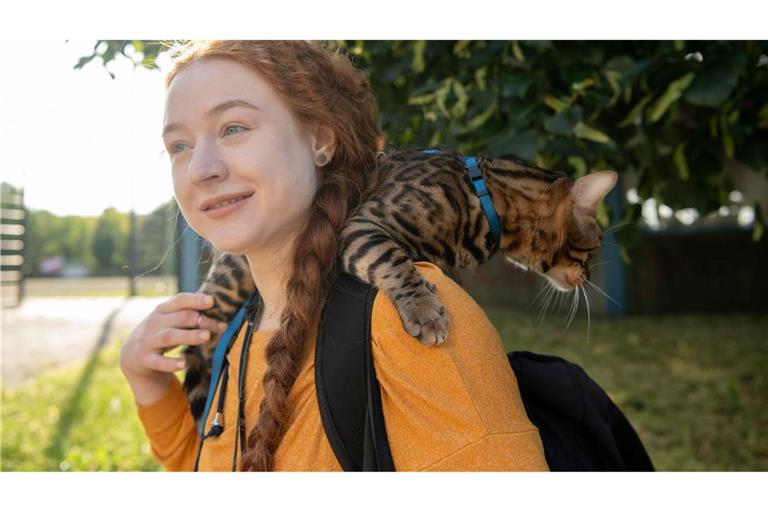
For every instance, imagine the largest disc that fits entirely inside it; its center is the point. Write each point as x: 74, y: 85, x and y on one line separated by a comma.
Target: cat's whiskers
x: 593, y: 285
x: 548, y: 299
x: 573, y: 309
x: 586, y: 300
x: 617, y: 227
x: 598, y: 264
x: 545, y: 287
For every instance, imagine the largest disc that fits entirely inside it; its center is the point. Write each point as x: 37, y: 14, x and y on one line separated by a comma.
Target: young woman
x: 286, y: 130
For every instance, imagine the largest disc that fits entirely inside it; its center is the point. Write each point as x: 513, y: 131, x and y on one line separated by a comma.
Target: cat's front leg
x: 371, y: 255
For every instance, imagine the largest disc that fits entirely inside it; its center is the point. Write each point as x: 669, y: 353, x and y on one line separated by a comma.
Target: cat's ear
x: 590, y: 189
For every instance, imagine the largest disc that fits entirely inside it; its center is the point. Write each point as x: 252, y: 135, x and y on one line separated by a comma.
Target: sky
x: 77, y: 140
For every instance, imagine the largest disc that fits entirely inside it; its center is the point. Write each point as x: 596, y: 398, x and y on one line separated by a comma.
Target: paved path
x: 48, y: 332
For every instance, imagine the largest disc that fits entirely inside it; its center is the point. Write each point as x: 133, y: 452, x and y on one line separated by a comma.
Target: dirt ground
x: 47, y: 332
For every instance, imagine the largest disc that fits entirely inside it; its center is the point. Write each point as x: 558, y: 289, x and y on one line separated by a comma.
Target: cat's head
x: 574, y: 235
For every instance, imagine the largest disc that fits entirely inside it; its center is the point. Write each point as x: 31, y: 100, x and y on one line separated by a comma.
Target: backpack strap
x: 222, y: 347
x: 348, y: 392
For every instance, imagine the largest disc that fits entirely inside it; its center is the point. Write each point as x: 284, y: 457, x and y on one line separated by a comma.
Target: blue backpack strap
x: 218, y: 361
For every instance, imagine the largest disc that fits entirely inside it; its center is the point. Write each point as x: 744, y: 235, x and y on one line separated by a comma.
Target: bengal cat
x: 421, y: 207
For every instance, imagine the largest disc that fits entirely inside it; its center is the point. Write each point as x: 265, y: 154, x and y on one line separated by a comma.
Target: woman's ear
x: 323, y: 140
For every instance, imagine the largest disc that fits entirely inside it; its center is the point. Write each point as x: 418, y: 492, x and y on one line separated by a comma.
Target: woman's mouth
x: 225, y: 207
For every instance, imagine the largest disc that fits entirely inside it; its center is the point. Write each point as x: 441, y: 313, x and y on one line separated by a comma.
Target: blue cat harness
x: 475, y: 176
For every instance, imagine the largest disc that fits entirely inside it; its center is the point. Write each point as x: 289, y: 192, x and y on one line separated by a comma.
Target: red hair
x: 319, y: 84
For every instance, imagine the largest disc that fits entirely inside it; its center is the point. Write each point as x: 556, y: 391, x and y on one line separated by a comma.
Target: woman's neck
x: 270, y: 269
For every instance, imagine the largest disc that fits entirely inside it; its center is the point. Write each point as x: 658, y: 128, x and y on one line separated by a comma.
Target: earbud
x: 216, y: 428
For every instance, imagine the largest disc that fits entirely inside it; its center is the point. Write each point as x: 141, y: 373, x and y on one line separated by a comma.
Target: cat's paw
x: 424, y: 318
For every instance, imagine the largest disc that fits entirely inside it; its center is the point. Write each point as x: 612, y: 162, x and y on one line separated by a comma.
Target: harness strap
x: 475, y: 176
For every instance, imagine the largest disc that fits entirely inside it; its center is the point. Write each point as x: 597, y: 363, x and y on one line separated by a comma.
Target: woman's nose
x: 206, y: 164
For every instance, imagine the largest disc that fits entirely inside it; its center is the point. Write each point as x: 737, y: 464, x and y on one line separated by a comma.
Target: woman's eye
x: 178, y: 147
x: 233, y: 129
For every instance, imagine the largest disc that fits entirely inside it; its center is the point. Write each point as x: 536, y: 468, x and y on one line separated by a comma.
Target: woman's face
x: 243, y: 170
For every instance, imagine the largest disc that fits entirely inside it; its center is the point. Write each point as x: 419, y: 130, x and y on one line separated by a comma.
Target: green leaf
x: 479, y: 120
x: 441, y: 95
x: 462, y: 98
x: 480, y: 74
x: 83, y: 61
x: 424, y: 99
x: 515, y: 86
x: 417, y: 65
x: 580, y: 87
x: 613, y: 78
x: 716, y: 82
x: 757, y: 232
x: 579, y: 164
x: 673, y: 93
x: 524, y: 145
x: 556, y: 104
x: 636, y: 114
x: 518, y: 52
x: 559, y: 124
x: 583, y: 131
x: 681, y: 163
x: 763, y: 114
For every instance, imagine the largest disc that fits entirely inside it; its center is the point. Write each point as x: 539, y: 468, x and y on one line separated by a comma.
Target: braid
x: 307, y: 287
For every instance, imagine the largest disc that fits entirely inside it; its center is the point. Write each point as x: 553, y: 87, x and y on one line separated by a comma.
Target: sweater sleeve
x: 456, y: 406
x: 170, y: 429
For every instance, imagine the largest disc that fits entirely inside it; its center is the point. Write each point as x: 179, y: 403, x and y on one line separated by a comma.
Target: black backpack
x: 580, y: 427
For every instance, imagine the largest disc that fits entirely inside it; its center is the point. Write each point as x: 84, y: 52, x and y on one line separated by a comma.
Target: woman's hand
x: 177, y: 321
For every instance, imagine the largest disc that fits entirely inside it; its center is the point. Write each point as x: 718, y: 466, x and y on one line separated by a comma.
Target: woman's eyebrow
x: 218, y: 109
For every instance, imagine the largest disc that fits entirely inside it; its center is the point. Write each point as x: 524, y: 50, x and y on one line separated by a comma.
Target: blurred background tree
x: 684, y: 122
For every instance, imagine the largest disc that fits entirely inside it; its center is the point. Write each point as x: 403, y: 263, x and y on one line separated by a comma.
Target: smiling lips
x: 222, y: 201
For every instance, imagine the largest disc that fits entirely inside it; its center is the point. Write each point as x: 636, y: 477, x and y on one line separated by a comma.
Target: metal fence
x: 13, y: 227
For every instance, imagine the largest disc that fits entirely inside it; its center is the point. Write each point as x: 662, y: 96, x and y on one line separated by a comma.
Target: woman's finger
x: 185, y: 300
x: 160, y: 363
x: 170, y: 337
x: 188, y: 319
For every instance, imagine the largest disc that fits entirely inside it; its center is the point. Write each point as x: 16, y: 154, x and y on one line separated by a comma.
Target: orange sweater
x: 452, y: 407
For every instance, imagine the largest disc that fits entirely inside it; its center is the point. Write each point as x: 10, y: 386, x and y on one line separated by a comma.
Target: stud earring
x: 322, y: 159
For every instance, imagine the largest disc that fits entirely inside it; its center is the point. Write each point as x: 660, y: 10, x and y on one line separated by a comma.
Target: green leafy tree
x: 110, y: 240
x: 670, y: 116
x: 156, y: 234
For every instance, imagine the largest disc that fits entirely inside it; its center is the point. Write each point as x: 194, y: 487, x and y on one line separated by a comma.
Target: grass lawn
x: 694, y: 387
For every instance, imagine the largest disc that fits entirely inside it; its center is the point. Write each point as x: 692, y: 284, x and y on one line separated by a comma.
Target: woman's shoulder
x: 469, y: 325
x: 467, y: 379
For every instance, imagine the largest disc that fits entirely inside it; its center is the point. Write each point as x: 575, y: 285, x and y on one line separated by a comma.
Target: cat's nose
x: 574, y: 276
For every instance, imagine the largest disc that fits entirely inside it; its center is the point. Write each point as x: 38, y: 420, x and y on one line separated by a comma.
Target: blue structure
x: 190, y: 247
x: 615, y: 271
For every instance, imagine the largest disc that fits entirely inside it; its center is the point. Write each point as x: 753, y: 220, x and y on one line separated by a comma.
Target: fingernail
x: 180, y: 365
x: 204, y: 335
x: 222, y: 326
x: 208, y: 299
